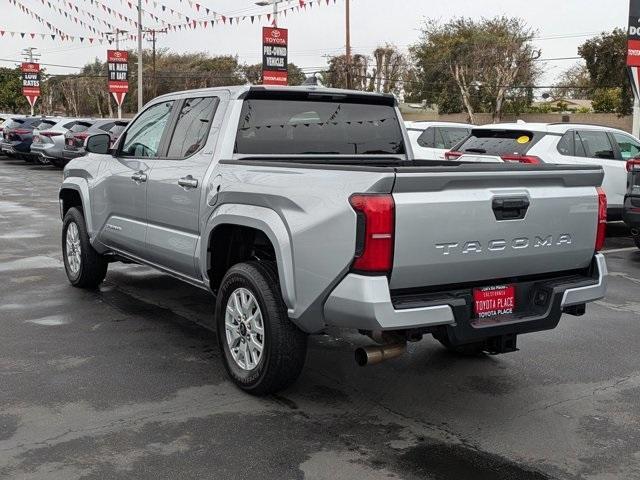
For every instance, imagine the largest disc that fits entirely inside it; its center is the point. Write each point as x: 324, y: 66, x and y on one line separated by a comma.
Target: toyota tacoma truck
x: 302, y: 209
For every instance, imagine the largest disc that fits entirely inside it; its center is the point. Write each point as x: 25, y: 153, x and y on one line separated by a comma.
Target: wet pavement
x: 126, y: 382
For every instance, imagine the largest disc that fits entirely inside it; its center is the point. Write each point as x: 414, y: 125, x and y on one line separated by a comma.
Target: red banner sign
x: 118, y: 74
x: 275, y: 43
x: 31, y: 81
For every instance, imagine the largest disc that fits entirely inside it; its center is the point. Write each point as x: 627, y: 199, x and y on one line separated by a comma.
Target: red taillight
x: 601, y: 236
x: 633, y: 164
x: 21, y: 131
x: 522, y: 159
x: 375, y: 235
x: 452, y: 155
x: 50, y: 134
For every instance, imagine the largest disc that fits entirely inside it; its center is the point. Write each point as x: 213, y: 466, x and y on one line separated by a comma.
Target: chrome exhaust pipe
x: 379, y: 353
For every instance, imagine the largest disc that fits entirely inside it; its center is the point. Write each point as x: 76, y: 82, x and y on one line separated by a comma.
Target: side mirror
x: 98, y: 143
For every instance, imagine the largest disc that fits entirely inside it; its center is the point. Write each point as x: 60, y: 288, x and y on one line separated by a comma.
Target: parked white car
x: 559, y: 143
x: 431, y: 140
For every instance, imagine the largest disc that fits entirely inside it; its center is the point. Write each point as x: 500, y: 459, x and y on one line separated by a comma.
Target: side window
x: 144, y: 136
x: 427, y: 139
x: 440, y: 141
x: 453, y: 136
x: 192, y: 127
x: 566, y: 145
x: 629, y: 146
x: 596, y: 144
x: 107, y: 126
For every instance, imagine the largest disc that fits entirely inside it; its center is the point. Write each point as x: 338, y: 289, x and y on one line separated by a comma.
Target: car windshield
x: 499, y: 142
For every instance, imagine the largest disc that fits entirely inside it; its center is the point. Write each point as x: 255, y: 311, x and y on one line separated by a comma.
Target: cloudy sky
x: 562, y: 26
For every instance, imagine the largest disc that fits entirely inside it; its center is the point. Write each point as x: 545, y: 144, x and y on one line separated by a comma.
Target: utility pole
x: 116, y: 35
x: 348, y: 41
x: 140, y: 85
x: 154, y: 85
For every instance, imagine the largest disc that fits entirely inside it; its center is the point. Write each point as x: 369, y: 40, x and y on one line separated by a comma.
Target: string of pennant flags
x: 100, y: 37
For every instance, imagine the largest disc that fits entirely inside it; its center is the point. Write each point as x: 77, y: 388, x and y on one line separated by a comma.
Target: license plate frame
x: 494, y: 301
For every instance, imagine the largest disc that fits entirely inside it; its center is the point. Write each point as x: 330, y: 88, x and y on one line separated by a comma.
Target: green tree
x: 483, y: 61
x: 11, y: 98
x: 607, y: 100
x: 253, y: 74
x: 606, y: 60
x: 574, y: 83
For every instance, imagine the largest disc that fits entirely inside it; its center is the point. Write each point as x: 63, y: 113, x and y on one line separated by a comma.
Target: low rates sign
x: 31, y: 82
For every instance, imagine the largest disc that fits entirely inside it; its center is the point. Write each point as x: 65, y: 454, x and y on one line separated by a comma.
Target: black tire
x: 636, y: 239
x: 93, y: 266
x: 285, y: 346
x: 56, y: 162
x: 467, y: 350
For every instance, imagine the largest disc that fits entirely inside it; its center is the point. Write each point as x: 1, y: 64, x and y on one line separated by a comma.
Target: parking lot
x: 126, y: 382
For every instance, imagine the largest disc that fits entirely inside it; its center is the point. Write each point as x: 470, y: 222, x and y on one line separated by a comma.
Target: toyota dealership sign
x: 275, y: 42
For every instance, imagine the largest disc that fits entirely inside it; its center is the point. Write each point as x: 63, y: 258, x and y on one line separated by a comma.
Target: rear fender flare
x: 272, y: 225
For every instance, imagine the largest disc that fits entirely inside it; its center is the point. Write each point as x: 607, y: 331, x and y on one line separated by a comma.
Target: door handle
x: 510, y: 208
x: 188, y: 182
x: 139, y: 177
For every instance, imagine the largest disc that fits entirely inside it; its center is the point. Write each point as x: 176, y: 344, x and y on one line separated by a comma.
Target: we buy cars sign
x: 275, y: 42
x: 118, y: 74
x: 31, y: 81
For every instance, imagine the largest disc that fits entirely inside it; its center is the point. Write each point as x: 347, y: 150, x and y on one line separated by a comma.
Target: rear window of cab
x: 499, y: 142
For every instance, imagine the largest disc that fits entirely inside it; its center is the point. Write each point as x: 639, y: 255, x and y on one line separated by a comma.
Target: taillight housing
x: 530, y: 159
x: 375, y: 233
x: 79, y: 138
x: 50, y: 134
x: 452, y: 155
x: 21, y: 131
x: 633, y: 164
x: 601, y: 235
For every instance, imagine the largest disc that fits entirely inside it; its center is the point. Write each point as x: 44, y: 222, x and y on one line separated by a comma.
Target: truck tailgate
x: 478, y: 223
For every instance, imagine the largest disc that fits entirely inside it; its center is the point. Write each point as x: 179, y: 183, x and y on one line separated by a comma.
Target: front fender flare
x: 80, y: 185
x: 267, y: 221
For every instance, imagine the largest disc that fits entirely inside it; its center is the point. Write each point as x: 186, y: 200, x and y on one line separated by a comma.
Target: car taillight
x: 452, y: 155
x: 633, y: 164
x: 533, y: 160
x: 601, y: 236
x: 21, y: 131
x: 50, y: 134
x: 375, y: 233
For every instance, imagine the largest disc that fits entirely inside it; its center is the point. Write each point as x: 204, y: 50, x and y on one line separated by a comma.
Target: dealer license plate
x: 494, y: 301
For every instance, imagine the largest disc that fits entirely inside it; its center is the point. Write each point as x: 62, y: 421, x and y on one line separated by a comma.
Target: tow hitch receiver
x: 502, y: 344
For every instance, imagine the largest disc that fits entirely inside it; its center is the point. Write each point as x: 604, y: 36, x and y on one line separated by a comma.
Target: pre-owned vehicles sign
x: 275, y: 55
x: 31, y: 81
x: 118, y: 73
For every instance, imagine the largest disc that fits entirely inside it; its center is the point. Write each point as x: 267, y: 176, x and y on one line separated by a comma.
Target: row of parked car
x: 52, y: 140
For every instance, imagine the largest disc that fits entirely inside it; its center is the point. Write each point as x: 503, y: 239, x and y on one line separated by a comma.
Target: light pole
x: 264, y: 3
x: 140, y: 97
x: 348, y: 41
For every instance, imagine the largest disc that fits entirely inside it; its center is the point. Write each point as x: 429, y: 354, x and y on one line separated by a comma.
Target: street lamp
x: 264, y: 3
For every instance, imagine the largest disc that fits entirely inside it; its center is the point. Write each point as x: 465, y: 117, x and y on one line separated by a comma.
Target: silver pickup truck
x: 301, y: 209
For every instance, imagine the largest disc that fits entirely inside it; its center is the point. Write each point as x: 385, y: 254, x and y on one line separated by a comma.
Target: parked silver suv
x: 303, y: 208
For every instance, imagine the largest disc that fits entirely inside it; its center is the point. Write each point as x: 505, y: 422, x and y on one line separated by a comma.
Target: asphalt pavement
x: 126, y: 383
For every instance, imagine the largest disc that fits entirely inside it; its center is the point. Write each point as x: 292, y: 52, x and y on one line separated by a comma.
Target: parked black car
x: 631, y: 209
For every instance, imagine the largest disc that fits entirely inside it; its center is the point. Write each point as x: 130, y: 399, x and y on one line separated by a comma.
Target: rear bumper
x: 365, y: 303
x: 631, y: 213
x: 71, y: 154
